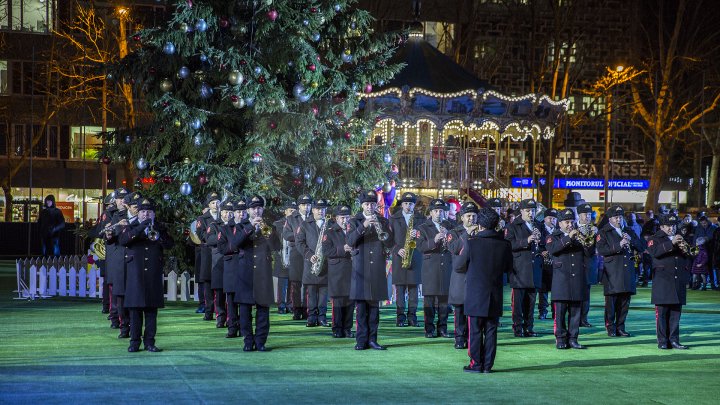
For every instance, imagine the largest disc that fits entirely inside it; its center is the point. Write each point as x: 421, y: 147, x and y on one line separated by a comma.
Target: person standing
x: 105, y: 220
x: 488, y: 257
x: 618, y: 247
x: 546, y: 229
x: 307, y: 241
x: 202, y: 228
x: 216, y: 279
x: 526, y: 277
x: 436, y: 269
x: 281, y: 260
x: 569, y: 286
x: 456, y: 241
x: 145, y: 240
x: 230, y: 237
x: 406, y: 280
x: 670, y: 277
x: 368, y: 237
x: 115, y: 254
x: 337, y: 252
x: 297, y: 263
x: 586, y: 227
x: 51, y: 222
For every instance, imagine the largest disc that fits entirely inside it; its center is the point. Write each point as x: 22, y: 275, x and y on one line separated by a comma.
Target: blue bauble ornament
x: 257, y: 70
x: 303, y: 98
x: 306, y: 22
x: 201, y: 25
x: 196, y: 124
x: 203, y: 57
x: 295, y: 171
x: 197, y: 140
x: 346, y: 58
x: 185, y: 188
x: 183, y: 72
x: 128, y: 139
x: 298, y: 90
x: 205, y: 90
x: 166, y: 197
x: 169, y: 48
x: 141, y: 164
x: 249, y: 101
x: 337, y: 8
x: 316, y: 37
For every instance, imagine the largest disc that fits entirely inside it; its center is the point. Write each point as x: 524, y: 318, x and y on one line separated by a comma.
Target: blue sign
x: 584, y: 184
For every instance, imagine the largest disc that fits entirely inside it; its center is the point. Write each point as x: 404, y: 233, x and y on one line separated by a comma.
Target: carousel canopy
x: 433, y: 90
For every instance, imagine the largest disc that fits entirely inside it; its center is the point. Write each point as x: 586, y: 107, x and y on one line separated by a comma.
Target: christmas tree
x: 254, y: 97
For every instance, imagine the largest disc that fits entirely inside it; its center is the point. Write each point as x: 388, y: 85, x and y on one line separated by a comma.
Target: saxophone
x: 410, y: 244
x: 317, y: 266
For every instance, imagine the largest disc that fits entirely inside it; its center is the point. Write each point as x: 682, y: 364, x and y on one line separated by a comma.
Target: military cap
x: 408, y: 197
x: 109, y: 199
x: 256, y: 201
x: 212, y: 196
x: 368, y: 196
x: 240, y: 204
x: 566, y: 214
x: 551, y: 212
x: 528, y: 204
x: 120, y: 192
x: 132, y: 198
x: 292, y: 205
x: 614, y: 211
x: 321, y: 203
x: 469, y: 207
x: 494, y: 203
x: 438, y: 204
x: 145, y: 204
x: 304, y: 199
x: 584, y: 208
x: 669, y: 219
x: 227, y: 205
x: 342, y: 210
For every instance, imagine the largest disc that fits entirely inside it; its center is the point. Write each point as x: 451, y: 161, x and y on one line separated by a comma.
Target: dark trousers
x: 667, y: 319
x: 262, y: 324
x: 342, y: 315
x: 585, y: 310
x: 316, y: 297
x: 201, y: 295
x: 233, y: 323
x: 482, y: 341
x: 209, y: 298
x: 114, y: 317
x: 543, y: 302
x: 431, y: 305
x: 282, y: 293
x: 368, y: 319
x: 461, y: 325
x: 123, y: 313
x: 567, y: 320
x: 105, y: 296
x: 220, y: 306
x: 616, y: 310
x: 136, y: 324
x: 412, y: 302
x: 51, y: 246
x: 522, y: 303
x: 295, y: 297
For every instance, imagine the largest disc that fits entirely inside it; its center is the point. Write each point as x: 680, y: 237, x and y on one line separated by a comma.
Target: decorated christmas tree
x: 254, y: 97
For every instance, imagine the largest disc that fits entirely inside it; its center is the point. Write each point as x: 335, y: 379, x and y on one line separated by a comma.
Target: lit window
x: 3, y: 77
x: 28, y: 15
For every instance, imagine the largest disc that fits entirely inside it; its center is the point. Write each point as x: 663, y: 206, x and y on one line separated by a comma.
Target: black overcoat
x: 217, y: 265
x: 527, y: 268
x: 115, y: 255
x: 339, y: 262
x: 306, y: 242
x: 369, y: 279
x: 412, y: 275
x: 256, y: 273
x: 569, y: 282
x: 619, y: 274
x: 670, y: 272
x: 234, y: 257
x: 201, y: 230
x: 456, y: 241
x: 436, y: 263
x: 295, y: 269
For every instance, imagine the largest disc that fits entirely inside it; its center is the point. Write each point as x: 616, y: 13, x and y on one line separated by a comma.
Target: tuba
x: 410, y: 244
x: 317, y: 266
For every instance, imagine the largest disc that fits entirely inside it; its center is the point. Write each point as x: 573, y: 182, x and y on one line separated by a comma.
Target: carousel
x: 455, y: 135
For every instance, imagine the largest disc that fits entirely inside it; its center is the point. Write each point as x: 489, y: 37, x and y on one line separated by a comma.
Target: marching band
x: 319, y: 254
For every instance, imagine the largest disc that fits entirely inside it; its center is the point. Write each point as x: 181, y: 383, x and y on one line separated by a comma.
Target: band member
x: 308, y: 242
x: 281, y: 260
x: 145, y: 240
x: 670, y: 254
x: 217, y: 265
x: 569, y: 286
x: 202, y: 230
x: 585, y: 224
x: 456, y: 241
x: 488, y: 257
x: 526, y: 277
x: 256, y: 287
x: 546, y: 229
x: 497, y: 206
x: 230, y: 237
x: 114, y: 253
x: 297, y: 263
x: 436, y: 269
x: 368, y: 236
x: 618, y: 247
x: 337, y: 252
x: 105, y: 220
x: 406, y: 279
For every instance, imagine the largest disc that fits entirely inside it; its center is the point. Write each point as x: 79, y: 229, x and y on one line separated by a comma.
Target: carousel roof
x: 433, y: 88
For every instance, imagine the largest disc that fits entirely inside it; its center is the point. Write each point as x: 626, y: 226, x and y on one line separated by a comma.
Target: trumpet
x: 382, y: 235
x: 687, y: 249
x: 265, y: 229
x: 153, y: 235
x: 586, y: 234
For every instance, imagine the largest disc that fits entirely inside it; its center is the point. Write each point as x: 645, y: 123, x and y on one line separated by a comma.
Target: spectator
x: 51, y: 223
x: 633, y: 224
x: 651, y: 223
x: 700, y: 266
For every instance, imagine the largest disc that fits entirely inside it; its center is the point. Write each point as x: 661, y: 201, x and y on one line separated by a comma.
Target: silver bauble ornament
x: 386, y: 187
x: 319, y: 180
x: 185, y: 188
x: 235, y: 78
x: 329, y: 143
x: 239, y: 103
x: 205, y: 90
x: 387, y: 158
x: 295, y: 171
x: 166, y: 85
x: 166, y: 197
x: 141, y: 164
x: 196, y: 123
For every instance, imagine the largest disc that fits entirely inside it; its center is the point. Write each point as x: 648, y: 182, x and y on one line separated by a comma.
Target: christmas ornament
x: 316, y: 36
x: 153, y: 173
x: 128, y: 139
x: 185, y: 188
x: 306, y: 22
x: 319, y: 180
x: 297, y: 182
x: 329, y: 143
x: 337, y: 8
x: 295, y: 171
x: 136, y: 38
x: 238, y: 102
x: 183, y: 72
x: 166, y: 197
x: 167, y: 179
x: 205, y: 90
x: 306, y: 176
x: 169, y: 48
x: 304, y: 98
x: 257, y: 70
x: 197, y: 140
x: 249, y: 101
x: 313, y: 10
x: 272, y: 15
x: 387, y: 158
x: 166, y: 85
x: 186, y: 232
x: 348, y: 135
x: 368, y: 88
x: 315, y: 110
x: 196, y: 123
x: 256, y: 158
x: 261, y: 79
x: 236, y: 78
x: 273, y: 125
x: 201, y: 25
x: 177, y: 123
x: 203, y: 58
x: 189, y: 3
x: 106, y: 160
x: 224, y: 22
x: 346, y: 57
x: 202, y: 179
x: 186, y: 161
x: 141, y: 164
x: 312, y: 67
x: 386, y: 187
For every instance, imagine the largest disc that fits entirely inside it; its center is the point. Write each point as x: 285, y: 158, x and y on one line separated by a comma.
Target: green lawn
x: 63, y: 351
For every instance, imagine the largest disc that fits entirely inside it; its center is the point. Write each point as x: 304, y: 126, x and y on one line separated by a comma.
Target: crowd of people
x: 458, y: 257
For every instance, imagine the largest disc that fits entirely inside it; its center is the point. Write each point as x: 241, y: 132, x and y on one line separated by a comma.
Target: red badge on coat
x: 324, y: 238
x: 549, y: 240
x: 597, y: 238
x: 449, y: 238
x: 650, y: 243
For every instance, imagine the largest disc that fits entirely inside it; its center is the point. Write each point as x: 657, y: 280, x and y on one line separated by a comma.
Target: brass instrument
x: 687, y: 249
x: 382, y: 235
x: 153, y: 235
x: 193, y: 233
x: 410, y: 243
x: 500, y: 226
x: 317, y: 266
x: 265, y: 229
x: 586, y: 234
x: 97, y: 247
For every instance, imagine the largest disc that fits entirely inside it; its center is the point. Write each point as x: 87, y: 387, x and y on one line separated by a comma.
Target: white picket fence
x: 72, y: 276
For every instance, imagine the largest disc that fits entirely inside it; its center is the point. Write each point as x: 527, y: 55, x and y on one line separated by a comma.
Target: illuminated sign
x: 584, y: 184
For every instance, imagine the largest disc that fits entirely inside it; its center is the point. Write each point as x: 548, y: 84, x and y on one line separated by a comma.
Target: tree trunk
x: 7, y: 192
x: 697, y: 175
x: 658, y: 175
x: 712, y: 181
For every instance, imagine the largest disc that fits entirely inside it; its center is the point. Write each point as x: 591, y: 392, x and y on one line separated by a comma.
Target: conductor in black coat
x: 669, y: 282
x: 488, y: 257
x: 526, y: 277
x: 307, y: 240
x: 406, y: 280
x: 569, y: 283
x: 297, y: 263
x: 144, y: 240
x: 368, y: 236
x: 337, y: 252
x: 616, y: 245
x: 456, y: 241
x: 202, y: 228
